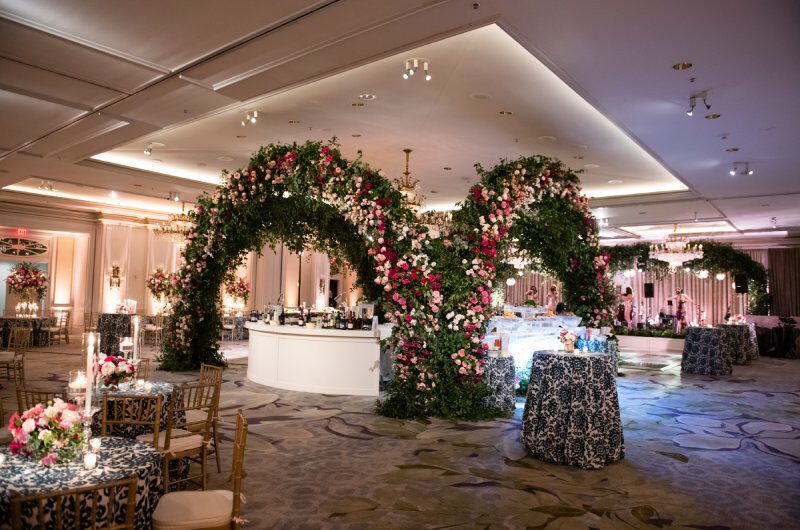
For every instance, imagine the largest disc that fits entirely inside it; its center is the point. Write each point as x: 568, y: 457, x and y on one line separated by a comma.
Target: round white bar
x: 325, y: 361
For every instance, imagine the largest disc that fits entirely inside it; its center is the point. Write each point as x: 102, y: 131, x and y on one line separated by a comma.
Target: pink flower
x: 28, y: 425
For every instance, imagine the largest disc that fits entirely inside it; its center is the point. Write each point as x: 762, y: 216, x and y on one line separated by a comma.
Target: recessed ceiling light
x: 591, y: 166
x: 480, y: 95
x: 294, y: 122
x: 642, y: 213
x: 201, y: 164
x: 506, y: 113
x: 356, y: 135
x: 578, y: 157
x: 224, y: 158
x: 157, y: 144
x: 137, y: 185
x: 240, y: 136
x: 327, y: 130
x: 112, y: 194
x: 447, y: 168
x: 547, y: 138
x: 685, y: 65
x: 367, y: 97
x: 357, y: 104
x: 712, y: 116
x: 732, y: 149
x: 434, y: 191
x: 615, y: 181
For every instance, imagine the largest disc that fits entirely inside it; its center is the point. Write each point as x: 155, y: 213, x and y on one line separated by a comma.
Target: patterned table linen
x: 572, y: 410
x: 117, y: 459
x: 707, y: 351
x: 38, y: 335
x: 741, y: 346
x: 751, y: 330
x: 501, y: 380
x: 112, y: 327
x: 132, y: 431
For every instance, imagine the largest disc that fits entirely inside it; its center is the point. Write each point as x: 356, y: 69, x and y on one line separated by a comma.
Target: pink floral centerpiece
x: 114, y: 370
x: 51, y: 434
x: 238, y: 288
x: 160, y: 282
x: 568, y: 338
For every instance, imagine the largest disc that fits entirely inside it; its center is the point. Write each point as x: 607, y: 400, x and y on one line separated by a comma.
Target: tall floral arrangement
x: 27, y: 278
x: 51, y: 434
x: 160, y: 282
x: 237, y: 288
x: 113, y: 370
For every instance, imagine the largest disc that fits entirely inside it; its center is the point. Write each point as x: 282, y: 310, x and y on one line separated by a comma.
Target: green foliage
x: 717, y: 257
x: 649, y: 332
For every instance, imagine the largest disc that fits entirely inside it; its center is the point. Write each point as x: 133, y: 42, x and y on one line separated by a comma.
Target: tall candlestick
x: 89, y: 377
x: 136, y: 337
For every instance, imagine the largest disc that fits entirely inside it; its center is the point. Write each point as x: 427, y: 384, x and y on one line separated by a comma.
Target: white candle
x: 136, y: 336
x: 2, y: 459
x: 90, y: 378
x: 140, y: 383
x: 90, y: 461
x: 79, y: 383
x: 148, y: 386
x: 95, y: 444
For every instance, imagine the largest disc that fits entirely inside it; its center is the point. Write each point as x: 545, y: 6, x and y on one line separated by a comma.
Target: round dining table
x: 117, y: 459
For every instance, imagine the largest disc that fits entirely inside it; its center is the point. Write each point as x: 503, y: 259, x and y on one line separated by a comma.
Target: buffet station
x: 326, y: 352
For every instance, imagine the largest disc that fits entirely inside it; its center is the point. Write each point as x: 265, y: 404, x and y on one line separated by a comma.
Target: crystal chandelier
x: 176, y: 227
x: 408, y: 187
x: 676, y: 250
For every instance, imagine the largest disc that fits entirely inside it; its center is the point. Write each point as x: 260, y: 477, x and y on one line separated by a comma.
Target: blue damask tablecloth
x: 112, y: 327
x: 707, y: 351
x: 572, y: 410
x: 501, y: 380
x: 132, y: 431
x: 37, y: 325
x: 117, y: 459
x: 742, y: 348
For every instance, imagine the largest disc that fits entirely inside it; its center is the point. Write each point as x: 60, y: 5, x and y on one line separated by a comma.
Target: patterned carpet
x: 701, y: 452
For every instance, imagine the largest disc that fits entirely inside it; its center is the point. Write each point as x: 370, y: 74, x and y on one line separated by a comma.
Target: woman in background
x: 552, y: 299
x: 627, y: 303
x: 530, y: 295
x: 681, y: 300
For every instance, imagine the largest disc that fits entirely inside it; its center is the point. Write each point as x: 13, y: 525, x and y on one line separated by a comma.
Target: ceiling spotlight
x: 412, y: 65
x: 112, y: 194
x: 47, y: 185
x: 692, y: 105
x: 695, y: 217
x: 705, y: 102
x: 774, y: 222
x: 250, y: 117
x: 747, y: 170
x: 149, y: 150
x: 742, y: 168
x: 174, y: 196
x: 732, y: 172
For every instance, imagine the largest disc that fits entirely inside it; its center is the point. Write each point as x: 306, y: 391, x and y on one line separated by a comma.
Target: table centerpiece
x: 114, y: 371
x: 51, y: 434
x: 29, y: 283
x: 568, y: 338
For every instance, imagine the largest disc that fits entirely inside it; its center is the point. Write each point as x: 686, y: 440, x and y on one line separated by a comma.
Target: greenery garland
x: 717, y: 257
x: 436, y: 292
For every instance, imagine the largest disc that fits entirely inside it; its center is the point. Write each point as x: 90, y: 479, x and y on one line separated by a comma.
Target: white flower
x: 28, y: 425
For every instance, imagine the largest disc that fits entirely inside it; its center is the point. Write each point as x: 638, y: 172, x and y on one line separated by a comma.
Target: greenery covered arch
x: 435, y: 291
x: 717, y: 257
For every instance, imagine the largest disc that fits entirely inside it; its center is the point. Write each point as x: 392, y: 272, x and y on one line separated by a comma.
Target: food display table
x: 112, y: 327
x: 117, y: 459
x: 707, y: 351
x: 534, y: 332
x: 742, y: 349
x: 572, y: 410
x: 500, y: 377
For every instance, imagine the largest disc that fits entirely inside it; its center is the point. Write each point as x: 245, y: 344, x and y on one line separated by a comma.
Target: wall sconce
x: 115, y: 280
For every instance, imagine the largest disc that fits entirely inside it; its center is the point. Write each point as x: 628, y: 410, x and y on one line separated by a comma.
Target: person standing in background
x: 681, y: 300
x: 531, y: 294
x: 552, y: 299
x: 627, y: 303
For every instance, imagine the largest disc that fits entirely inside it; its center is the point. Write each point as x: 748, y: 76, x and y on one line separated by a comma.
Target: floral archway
x: 435, y: 291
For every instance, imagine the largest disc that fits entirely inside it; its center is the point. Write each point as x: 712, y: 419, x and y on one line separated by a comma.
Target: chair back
x: 143, y: 369
x: 28, y: 397
x: 18, y: 366
x: 210, y: 373
x: 19, y: 339
x: 237, y: 467
x: 78, y: 507
x: 134, y: 410
x: 185, y: 399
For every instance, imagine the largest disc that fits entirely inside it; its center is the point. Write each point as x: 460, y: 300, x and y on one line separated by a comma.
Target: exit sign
x: 22, y: 232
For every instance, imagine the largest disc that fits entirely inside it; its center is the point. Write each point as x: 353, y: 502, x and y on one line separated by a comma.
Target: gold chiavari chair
x: 155, y: 330
x: 10, y: 360
x: 217, y: 509
x: 210, y: 374
x: 30, y: 397
x: 90, y: 496
x: 135, y: 411
x: 58, y: 329
x: 19, y: 338
x: 5, y: 434
x: 143, y: 369
x: 185, y: 438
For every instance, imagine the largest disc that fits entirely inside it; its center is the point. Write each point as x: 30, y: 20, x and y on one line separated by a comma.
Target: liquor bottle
x: 349, y: 320
x: 366, y: 323
x: 302, y: 320
x: 282, y: 318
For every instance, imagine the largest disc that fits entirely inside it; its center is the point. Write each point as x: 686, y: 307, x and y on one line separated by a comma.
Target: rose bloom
x: 29, y: 425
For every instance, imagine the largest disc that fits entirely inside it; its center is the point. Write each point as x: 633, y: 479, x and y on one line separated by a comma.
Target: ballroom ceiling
x: 85, y: 88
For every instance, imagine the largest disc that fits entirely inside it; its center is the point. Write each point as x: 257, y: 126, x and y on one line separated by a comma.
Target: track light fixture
x: 693, y: 102
x: 413, y: 65
x: 149, y: 150
x: 774, y: 222
x: 742, y: 168
x: 692, y: 105
x: 174, y: 196
x: 250, y: 118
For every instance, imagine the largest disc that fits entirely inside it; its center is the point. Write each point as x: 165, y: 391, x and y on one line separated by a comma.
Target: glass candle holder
x: 2, y: 459
x: 95, y: 444
x: 89, y: 461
